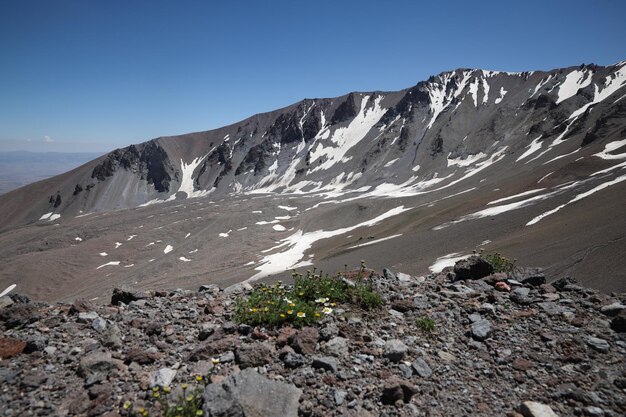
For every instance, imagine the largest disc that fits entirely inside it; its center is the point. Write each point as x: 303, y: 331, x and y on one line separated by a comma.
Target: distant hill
x: 19, y: 168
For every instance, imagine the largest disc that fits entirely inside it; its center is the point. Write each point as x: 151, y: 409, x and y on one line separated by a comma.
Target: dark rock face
x: 256, y: 158
x: 473, y: 267
x: 151, y: 163
x: 346, y: 110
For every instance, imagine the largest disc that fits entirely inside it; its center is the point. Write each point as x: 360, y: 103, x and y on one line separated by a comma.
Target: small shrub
x: 363, y: 295
x: 499, y: 262
x: 427, y: 324
x: 310, y: 298
x: 162, y: 403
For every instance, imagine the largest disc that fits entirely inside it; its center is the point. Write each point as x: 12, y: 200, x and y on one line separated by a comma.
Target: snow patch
x: 574, y: 81
x: 390, y: 163
x: 300, y: 242
x: 373, y: 242
x: 8, y: 290
x: 168, y: 249
x: 445, y: 261
x: 279, y: 228
x: 502, y: 94
x: 610, y: 147
x: 182, y: 258
x: 112, y: 263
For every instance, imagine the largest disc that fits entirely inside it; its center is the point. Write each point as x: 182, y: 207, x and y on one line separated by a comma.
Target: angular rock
x: 337, y: 346
x: 473, y: 267
x: 481, y: 330
x: 81, y: 305
x: 598, y: 344
x: 214, y: 346
x: 251, y: 394
x: 325, y: 362
x: 529, y: 276
x: 388, y: 274
x: 162, y: 378
x: 305, y: 340
x: 613, y: 309
x: 10, y: 347
x: 254, y: 354
x: 126, y: 296
x: 97, y: 361
x: 618, y: 323
x: 293, y: 360
x: 396, y: 389
x: 395, y: 350
x: 421, y: 368
x: 535, y: 409
x: 18, y: 315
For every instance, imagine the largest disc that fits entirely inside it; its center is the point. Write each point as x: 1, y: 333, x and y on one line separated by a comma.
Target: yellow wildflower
x: 301, y: 314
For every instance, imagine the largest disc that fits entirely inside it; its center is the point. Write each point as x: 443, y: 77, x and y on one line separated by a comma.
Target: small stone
x: 337, y: 346
x: 227, y: 357
x: 339, y: 396
x: 612, y: 310
x: 325, y: 362
x: 328, y: 331
x: 97, y: 361
x: 395, y: 350
x: 421, y: 368
x: 598, y: 344
x: 87, y: 317
x: 254, y: 354
x: 305, y: 340
x: 395, y: 390
x: 474, y: 317
x: 446, y: 356
x: 503, y: 286
x: 618, y: 323
x: 593, y: 411
x: 206, y: 330
x: 481, y: 330
x: 162, y: 378
x: 535, y: 409
x: 521, y: 364
x: 99, y: 324
x: 293, y: 360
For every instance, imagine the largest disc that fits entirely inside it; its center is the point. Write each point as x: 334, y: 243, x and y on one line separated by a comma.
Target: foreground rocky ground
x: 500, y: 345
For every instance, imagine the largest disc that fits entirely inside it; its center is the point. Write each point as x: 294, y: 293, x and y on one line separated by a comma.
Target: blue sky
x: 97, y: 75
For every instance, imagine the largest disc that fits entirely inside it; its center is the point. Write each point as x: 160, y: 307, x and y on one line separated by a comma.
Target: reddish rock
x: 285, y: 334
x: 11, y: 347
x: 521, y: 364
x: 397, y: 389
x: 305, y: 340
x: 503, y: 286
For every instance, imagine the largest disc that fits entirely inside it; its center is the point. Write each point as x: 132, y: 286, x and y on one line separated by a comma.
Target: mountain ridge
x: 531, y: 163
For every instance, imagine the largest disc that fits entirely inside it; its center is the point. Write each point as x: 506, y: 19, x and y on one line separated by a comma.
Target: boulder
x: 473, y: 267
x: 535, y: 409
x: 395, y: 350
x: 251, y: 394
x: 254, y: 354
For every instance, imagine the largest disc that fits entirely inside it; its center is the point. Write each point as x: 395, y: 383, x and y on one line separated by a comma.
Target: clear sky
x: 96, y: 75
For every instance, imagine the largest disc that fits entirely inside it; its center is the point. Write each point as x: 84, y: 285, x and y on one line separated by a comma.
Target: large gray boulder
x: 249, y: 394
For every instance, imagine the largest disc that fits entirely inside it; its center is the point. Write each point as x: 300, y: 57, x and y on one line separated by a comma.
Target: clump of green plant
x: 499, y: 262
x: 426, y: 324
x: 364, y: 295
x: 310, y: 298
x: 163, y: 403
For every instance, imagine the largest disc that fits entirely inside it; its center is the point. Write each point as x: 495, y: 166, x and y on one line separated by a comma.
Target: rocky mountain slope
x: 503, y: 344
x: 530, y: 163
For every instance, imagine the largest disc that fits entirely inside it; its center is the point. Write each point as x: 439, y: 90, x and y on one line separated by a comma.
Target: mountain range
x: 529, y: 164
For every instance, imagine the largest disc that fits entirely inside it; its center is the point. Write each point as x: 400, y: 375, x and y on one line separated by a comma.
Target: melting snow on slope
x: 445, y: 261
x: 186, y: 183
x: 117, y: 244
x: 373, y: 242
x: 611, y: 85
x: 534, y: 146
x: 512, y: 197
x: 50, y: 216
x: 300, y: 242
x: 225, y: 234
x: 574, y: 81
x: 168, y: 249
x: 469, y: 160
x: 8, y: 290
x: 390, y: 163
x: 578, y: 198
x: 288, y: 208
x: 344, y: 138
x: 610, y: 147
x: 112, y: 263
x: 131, y: 237
x: 103, y: 254
x: 279, y: 228
x: 502, y: 94
x: 182, y: 258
